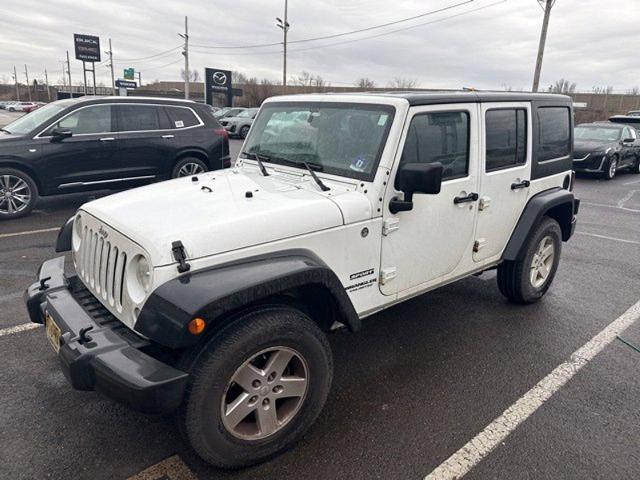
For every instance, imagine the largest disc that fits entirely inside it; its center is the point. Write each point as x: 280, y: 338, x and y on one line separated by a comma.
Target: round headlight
x: 143, y: 273
x: 76, y: 236
x: 139, y: 277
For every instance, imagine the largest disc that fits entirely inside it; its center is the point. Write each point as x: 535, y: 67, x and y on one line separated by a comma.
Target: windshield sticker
x: 382, y: 121
x: 359, y: 164
x: 179, y: 124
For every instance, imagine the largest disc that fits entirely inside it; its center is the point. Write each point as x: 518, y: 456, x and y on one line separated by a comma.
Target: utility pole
x: 26, y: 74
x: 69, y: 74
x: 15, y: 79
x: 284, y: 26
x: 185, y: 52
x: 64, y: 73
x: 139, y: 79
x: 113, y: 78
x: 543, y: 39
x: 46, y: 82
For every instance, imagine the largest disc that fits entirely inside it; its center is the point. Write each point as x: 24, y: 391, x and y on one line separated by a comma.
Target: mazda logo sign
x: 220, y: 78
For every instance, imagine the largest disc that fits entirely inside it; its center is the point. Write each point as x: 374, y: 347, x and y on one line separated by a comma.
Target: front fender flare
x: 212, y: 293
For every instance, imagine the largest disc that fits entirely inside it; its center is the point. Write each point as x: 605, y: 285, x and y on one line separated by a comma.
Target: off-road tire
x: 184, y: 163
x: 212, y: 367
x: 33, y: 191
x: 514, y: 276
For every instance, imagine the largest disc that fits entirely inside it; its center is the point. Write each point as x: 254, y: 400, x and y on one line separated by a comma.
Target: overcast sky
x: 590, y: 42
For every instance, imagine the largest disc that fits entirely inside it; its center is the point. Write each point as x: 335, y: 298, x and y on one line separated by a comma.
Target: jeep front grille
x: 101, y: 266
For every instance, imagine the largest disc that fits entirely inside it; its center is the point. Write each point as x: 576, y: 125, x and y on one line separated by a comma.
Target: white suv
x: 211, y: 296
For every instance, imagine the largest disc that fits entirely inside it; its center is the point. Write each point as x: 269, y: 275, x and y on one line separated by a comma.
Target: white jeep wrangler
x: 211, y: 296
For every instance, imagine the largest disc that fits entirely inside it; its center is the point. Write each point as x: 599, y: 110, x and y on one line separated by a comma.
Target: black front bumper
x: 109, y: 357
x: 589, y: 163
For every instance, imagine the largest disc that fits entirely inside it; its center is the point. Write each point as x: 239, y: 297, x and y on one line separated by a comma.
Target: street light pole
x: 15, y: 78
x: 46, y: 82
x: 113, y: 78
x: 284, y: 26
x: 26, y: 75
x: 543, y: 39
x: 69, y: 74
x: 185, y: 52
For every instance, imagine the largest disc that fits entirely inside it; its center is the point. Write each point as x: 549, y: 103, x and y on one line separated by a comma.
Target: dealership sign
x: 87, y: 47
x: 217, y: 81
x: 126, y: 84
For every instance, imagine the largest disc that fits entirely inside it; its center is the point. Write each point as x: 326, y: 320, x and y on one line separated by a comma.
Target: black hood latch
x: 177, y: 248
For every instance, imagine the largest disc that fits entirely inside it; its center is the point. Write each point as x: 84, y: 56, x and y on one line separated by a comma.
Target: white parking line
x: 633, y: 242
x: 632, y: 183
x: 29, y: 232
x: 461, y: 462
x: 18, y: 328
x: 604, y: 205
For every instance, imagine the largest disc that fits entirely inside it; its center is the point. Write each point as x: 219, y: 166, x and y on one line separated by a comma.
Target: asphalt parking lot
x: 414, y: 386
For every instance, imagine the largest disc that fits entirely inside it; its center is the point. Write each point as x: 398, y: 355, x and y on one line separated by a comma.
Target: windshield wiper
x: 322, y: 186
x: 263, y: 169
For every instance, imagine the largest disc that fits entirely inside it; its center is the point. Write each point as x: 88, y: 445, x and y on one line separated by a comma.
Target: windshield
x: 339, y: 138
x: 247, y: 113
x: 221, y: 112
x: 34, y: 119
x: 599, y: 134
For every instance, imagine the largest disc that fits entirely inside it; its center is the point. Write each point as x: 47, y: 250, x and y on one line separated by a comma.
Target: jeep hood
x: 224, y: 211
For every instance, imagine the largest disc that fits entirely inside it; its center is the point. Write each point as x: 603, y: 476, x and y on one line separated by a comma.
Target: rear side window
x: 136, y: 118
x: 181, y: 117
x: 506, y: 131
x: 554, y: 133
x: 439, y: 137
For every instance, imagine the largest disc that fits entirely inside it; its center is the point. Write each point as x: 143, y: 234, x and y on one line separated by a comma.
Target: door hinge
x: 479, y: 244
x: 485, y: 202
x: 387, y: 274
x: 177, y: 248
x: 390, y: 225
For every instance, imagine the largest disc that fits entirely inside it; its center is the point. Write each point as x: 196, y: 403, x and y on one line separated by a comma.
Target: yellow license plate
x: 53, y: 331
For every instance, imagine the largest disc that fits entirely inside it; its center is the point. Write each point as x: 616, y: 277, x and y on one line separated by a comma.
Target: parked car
x: 217, y: 293
x: 20, y: 106
x: 5, y: 104
x: 105, y: 142
x: 634, y: 113
x: 32, y: 107
x: 605, y: 148
x: 632, y: 121
x: 228, y: 112
x: 240, y: 124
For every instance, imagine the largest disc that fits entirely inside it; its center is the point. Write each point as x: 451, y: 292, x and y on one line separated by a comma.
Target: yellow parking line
x: 172, y: 468
x: 29, y: 232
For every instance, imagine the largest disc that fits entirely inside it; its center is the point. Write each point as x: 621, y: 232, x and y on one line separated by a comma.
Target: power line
x: 345, y: 42
x: 335, y: 35
x: 160, y: 54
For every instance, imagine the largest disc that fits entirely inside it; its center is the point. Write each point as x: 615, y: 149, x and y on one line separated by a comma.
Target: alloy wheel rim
x: 265, y: 393
x: 15, y: 194
x: 190, y: 168
x: 542, y: 262
x: 612, y: 167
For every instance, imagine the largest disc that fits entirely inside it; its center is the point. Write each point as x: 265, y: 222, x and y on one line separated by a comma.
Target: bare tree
x: 306, y: 79
x: 365, y: 82
x: 563, y: 86
x: 403, y: 83
x: 194, y: 75
x: 634, y: 91
x: 603, y: 90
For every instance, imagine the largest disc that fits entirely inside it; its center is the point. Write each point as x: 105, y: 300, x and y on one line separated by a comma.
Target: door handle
x: 107, y: 139
x: 522, y: 184
x: 168, y: 136
x: 472, y: 197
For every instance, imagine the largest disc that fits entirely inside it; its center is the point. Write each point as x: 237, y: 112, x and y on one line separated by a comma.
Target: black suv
x: 105, y: 142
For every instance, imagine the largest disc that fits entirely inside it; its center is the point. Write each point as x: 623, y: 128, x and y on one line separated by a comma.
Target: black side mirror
x: 416, y: 178
x: 59, y: 134
x: 628, y: 140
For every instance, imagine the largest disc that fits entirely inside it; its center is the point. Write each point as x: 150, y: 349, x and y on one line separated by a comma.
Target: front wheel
x: 610, y: 168
x: 528, y: 279
x: 18, y: 194
x: 244, y: 131
x: 256, y: 387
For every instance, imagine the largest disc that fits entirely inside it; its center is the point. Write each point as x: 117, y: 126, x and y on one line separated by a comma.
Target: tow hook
x: 43, y: 284
x: 82, y: 335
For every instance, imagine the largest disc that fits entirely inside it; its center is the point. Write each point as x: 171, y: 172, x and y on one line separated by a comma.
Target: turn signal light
x: 196, y: 326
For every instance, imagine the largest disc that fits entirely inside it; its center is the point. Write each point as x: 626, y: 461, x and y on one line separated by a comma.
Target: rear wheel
x: 256, y: 387
x: 528, y: 279
x: 635, y: 167
x: 18, y: 194
x: 244, y: 131
x: 610, y: 168
x: 188, y: 166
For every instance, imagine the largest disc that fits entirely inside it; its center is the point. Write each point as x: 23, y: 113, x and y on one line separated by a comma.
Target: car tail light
x: 222, y: 132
